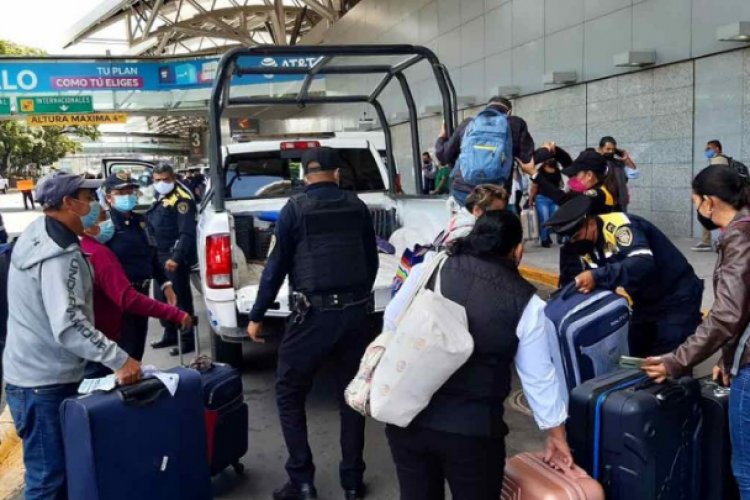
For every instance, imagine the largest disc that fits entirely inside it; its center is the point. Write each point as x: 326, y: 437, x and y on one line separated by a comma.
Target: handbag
x: 357, y: 393
x: 430, y: 343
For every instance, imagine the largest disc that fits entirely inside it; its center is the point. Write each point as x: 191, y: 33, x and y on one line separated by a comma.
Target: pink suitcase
x: 528, y: 477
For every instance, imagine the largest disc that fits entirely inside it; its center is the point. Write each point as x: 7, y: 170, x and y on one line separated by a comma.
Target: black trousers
x: 425, y: 459
x: 343, y: 336
x: 181, y: 283
x: 27, y: 196
x: 135, y: 328
x: 660, y: 331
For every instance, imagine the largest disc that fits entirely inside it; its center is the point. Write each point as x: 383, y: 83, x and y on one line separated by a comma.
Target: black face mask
x: 581, y: 247
x: 706, y: 222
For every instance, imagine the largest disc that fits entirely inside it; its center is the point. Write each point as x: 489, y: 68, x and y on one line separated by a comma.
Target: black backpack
x: 740, y: 167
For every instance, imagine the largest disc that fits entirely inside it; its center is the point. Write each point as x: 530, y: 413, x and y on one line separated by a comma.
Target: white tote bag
x: 430, y: 343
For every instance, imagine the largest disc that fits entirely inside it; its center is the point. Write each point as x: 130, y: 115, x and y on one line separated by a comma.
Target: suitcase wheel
x: 238, y: 468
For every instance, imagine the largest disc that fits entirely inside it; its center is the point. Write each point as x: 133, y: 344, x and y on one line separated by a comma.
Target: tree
x: 21, y: 144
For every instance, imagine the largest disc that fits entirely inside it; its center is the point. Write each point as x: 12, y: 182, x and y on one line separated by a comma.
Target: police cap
x: 327, y: 158
x: 588, y: 160
x: 119, y: 180
x: 570, y: 216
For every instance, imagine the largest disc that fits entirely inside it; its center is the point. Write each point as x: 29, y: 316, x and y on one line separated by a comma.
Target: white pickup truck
x: 251, y: 182
x: 260, y: 176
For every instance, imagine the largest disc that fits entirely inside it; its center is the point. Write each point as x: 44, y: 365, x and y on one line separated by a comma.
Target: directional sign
x: 55, y: 104
x: 4, y: 105
x: 76, y: 120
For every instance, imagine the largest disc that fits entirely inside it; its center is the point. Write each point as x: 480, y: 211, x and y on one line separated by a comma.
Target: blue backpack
x: 486, y: 149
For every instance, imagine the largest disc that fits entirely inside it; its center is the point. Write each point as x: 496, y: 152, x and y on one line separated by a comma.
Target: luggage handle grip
x: 141, y: 394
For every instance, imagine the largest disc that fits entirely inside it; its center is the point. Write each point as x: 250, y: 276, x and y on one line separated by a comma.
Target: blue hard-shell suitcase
x: 138, y: 442
x: 592, y: 332
x: 639, y: 439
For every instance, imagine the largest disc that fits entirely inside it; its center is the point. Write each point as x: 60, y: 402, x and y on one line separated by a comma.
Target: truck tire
x: 226, y: 352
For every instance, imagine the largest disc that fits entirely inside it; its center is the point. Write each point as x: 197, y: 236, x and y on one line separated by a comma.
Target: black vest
x: 495, y: 296
x: 330, y: 255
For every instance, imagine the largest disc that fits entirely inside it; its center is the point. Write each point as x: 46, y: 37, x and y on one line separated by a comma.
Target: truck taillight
x: 299, y: 145
x: 219, y: 261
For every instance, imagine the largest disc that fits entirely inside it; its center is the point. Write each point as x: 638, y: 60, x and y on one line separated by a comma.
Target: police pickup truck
x: 251, y: 182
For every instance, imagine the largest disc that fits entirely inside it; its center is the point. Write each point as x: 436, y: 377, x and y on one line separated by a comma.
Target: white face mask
x: 163, y: 187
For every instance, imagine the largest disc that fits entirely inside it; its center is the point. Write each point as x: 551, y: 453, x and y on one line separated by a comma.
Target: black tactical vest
x: 330, y: 254
x: 495, y: 296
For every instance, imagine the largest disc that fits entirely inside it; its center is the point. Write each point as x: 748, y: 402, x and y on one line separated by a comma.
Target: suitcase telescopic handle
x: 141, y: 394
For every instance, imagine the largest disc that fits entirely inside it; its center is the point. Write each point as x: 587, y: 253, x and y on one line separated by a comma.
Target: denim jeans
x: 36, y: 414
x: 739, y: 429
x: 544, y: 210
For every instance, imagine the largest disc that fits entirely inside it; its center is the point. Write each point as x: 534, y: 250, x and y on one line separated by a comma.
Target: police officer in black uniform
x: 325, y: 243
x: 624, y: 250
x: 135, y: 248
x: 172, y: 221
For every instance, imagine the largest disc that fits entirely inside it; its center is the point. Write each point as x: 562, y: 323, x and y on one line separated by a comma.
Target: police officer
x: 325, y: 242
x: 172, y: 221
x: 628, y: 251
x: 135, y: 248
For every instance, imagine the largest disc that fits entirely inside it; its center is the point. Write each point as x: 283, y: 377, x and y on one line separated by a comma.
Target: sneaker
x: 291, y: 491
x: 356, y: 494
x: 702, y: 247
x: 547, y: 243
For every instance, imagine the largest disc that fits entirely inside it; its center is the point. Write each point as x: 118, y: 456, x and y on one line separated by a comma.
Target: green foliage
x: 21, y: 144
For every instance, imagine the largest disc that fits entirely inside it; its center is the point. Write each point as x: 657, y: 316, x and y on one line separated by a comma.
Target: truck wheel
x: 226, y: 352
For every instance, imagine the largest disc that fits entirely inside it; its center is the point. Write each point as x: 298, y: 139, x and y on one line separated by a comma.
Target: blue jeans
x: 544, y: 210
x: 36, y: 414
x: 739, y: 429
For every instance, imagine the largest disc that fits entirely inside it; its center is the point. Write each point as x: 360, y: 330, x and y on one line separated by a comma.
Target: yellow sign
x: 76, y: 120
x: 25, y: 184
x: 27, y: 105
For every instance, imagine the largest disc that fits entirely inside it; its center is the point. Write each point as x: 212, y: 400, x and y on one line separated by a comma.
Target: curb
x: 539, y: 276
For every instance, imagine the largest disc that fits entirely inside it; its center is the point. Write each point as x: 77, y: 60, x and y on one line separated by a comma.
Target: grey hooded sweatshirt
x: 51, y: 312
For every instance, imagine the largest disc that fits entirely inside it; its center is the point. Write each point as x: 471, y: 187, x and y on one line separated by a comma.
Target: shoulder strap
x: 435, y: 265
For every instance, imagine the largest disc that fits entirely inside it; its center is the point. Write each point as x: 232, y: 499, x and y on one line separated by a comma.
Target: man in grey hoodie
x: 51, y: 334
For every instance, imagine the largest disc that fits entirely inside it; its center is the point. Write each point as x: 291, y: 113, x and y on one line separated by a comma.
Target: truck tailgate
x: 382, y: 289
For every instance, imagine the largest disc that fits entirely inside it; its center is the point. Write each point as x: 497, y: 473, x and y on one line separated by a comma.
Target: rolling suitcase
x: 639, y: 439
x: 529, y: 224
x: 226, y: 416
x: 718, y: 480
x: 138, y: 442
x: 528, y: 477
x: 592, y: 332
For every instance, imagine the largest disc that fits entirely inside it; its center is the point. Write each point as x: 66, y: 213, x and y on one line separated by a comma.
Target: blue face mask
x: 709, y: 153
x: 90, y: 218
x: 106, y: 231
x: 125, y: 202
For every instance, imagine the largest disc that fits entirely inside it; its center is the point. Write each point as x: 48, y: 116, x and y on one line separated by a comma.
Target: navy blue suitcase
x: 641, y: 440
x: 717, y: 478
x: 138, y: 442
x: 226, y: 415
x: 592, y: 332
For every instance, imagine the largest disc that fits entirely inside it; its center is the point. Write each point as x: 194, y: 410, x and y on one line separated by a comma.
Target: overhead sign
x: 4, y: 106
x: 76, y: 120
x: 197, y: 144
x: 39, y: 75
x: 56, y: 104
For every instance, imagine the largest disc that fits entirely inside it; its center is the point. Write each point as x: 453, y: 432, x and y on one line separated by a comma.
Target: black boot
x: 168, y: 339
x: 291, y: 491
x: 355, y: 494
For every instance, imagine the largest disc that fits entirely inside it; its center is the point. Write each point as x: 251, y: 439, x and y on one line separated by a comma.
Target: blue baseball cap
x: 52, y: 188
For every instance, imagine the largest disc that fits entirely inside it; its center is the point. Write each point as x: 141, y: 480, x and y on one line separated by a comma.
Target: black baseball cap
x: 119, y: 180
x: 327, y: 158
x: 589, y: 159
x: 570, y: 216
x: 52, y: 188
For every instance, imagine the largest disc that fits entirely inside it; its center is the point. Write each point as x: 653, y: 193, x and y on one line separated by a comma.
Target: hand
x: 129, y: 373
x: 171, y: 265
x: 719, y: 375
x: 528, y: 168
x: 625, y: 155
x: 443, y: 132
x: 550, y: 145
x: 254, y: 331
x: 585, y: 282
x: 655, y: 369
x: 170, y: 295
x: 556, y: 451
x: 187, y: 321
